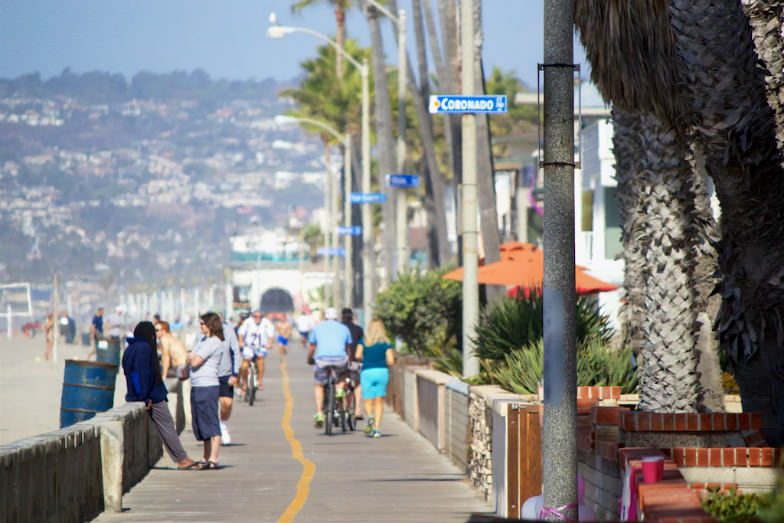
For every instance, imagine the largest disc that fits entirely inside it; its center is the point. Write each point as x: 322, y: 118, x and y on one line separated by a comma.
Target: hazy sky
x: 226, y: 38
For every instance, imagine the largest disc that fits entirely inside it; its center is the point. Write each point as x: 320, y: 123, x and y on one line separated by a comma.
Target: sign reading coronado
x: 467, y: 104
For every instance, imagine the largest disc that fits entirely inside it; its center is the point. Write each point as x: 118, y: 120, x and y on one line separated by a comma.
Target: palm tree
x: 736, y: 128
x: 695, y: 67
x: 341, y: 6
x: 663, y: 227
x: 386, y: 142
x: 438, y: 246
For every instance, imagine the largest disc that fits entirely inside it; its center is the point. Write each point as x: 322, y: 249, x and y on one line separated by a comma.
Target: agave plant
x: 597, y: 364
x: 512, y: 323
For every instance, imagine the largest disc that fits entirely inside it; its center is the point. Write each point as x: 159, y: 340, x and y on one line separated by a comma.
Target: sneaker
x: 369, y: 426
x: 376, y: 433
x: 225, y: 436
x: 318, y: 420
x: 340, y: 394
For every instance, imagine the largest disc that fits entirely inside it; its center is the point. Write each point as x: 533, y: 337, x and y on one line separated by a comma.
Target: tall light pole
x: 348, y: 275
x: 279, y: 31
x: 401, y: 226
x: 470, y: 225
x: 559, y: 441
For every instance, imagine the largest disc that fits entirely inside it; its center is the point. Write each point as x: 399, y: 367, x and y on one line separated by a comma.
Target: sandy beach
x: 30, y: 388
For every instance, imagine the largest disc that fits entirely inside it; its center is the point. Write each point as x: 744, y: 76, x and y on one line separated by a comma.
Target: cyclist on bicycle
x: 254, y: 343
x: 330, y: 342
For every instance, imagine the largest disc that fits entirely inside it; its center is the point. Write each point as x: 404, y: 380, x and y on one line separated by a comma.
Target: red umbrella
x: 522, y: 265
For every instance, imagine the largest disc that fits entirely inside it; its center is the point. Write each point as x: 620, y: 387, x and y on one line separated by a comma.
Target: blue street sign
x: 403, y: 180
x: 440, y: 103
x: 368, y: 197
x: 329, y: 251
x: 350, y: 230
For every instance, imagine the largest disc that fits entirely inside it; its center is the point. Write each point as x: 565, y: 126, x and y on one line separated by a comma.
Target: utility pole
x: 56, y: 325
x: 348, y: 276
x: 402, y: 201
x: 559, y: 440
x: 470, y: 222
x: 368, y: 268
x: 333, y: 230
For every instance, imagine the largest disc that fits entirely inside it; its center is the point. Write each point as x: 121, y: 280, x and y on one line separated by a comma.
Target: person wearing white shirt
x: 255, y: 341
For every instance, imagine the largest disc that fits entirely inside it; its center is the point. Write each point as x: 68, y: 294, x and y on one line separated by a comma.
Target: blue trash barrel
x: 88, y: 388
x: 108, y: 351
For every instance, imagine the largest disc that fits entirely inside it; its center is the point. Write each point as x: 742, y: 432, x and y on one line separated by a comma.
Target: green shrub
x: 512, y: 323
x: 424, y: 311
x: 597, y: 364
x: 731, y: 506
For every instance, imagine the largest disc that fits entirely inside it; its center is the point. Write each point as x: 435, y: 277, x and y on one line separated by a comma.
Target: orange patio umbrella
x: 522, y: 266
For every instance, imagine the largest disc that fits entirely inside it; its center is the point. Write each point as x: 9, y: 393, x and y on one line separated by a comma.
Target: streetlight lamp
x: 401, y: 219
x: 348, y: 275
x: 279, y: 31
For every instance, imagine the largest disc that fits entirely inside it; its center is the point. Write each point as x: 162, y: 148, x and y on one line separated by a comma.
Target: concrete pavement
x: 344, y: 477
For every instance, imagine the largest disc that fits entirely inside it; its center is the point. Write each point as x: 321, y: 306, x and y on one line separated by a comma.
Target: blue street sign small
x: 330, y: 251
x: 368, y: 197
x: 403, y: 180
x: 494, y: 104
x: 350, y: 230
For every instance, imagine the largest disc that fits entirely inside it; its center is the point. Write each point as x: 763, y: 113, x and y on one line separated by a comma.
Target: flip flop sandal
x: 193, y: 466
x: 209, y: 465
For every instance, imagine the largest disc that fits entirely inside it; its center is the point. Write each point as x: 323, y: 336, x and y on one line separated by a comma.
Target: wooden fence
x: 524, y: 456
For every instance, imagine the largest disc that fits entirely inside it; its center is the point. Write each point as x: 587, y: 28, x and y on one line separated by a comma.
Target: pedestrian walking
x: 145, y: 384
x: 205, y: 360
x: 354, y: 366
x: 227, y: 378
x: 49, y: 335
x: 377, y: 355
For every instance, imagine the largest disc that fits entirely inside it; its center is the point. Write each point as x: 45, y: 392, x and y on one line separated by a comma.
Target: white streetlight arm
x: 278, y: 31
x: 384, y: 10
x: 316, y: 123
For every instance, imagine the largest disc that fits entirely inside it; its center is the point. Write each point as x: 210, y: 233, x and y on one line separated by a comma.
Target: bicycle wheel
x: 350, y: 422
x: 251, y: 387
x: 343, y: 413
x: 330, y: 414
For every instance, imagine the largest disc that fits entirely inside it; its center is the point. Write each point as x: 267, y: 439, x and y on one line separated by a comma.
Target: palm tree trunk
x: 385, y: 139
x: 627, y: 149
x: 767, y: 24
x: 668, y: 377
x: 438, y: 245
x: 736, y: 128
x: 448, y: 15
x: 340, y: 38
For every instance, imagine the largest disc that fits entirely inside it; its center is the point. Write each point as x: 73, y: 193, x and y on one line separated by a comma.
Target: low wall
x: 75, y: 473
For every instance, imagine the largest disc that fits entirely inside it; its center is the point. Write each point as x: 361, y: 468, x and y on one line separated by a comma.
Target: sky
x: 226, y: 38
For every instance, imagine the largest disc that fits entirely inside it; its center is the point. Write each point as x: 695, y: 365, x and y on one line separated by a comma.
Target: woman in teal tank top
x: 377, y: 355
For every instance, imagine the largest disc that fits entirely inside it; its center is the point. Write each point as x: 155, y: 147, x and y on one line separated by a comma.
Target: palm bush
x: 597, y: 364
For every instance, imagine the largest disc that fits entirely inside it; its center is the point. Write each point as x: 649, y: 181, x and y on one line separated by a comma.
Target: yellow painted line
x: 308, y: 467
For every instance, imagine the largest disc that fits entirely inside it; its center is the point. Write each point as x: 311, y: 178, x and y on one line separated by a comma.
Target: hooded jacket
x: 138, y: 364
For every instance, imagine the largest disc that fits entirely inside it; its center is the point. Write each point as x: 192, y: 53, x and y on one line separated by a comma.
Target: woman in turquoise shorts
x: 377, y: 355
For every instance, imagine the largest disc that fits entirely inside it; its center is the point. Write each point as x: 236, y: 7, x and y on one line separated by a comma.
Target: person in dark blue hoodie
x: 144, y: 383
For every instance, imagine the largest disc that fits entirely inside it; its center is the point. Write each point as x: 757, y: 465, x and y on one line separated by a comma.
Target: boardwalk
x: 345, y: 477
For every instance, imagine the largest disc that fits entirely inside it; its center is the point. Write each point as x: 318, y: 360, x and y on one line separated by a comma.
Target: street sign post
x: 403, y: 180
x: 455, y: 104
x: 368, y: 197
x: 350, y: 230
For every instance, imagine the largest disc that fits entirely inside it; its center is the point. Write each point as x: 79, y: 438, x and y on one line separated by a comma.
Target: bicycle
x: 338, y: 411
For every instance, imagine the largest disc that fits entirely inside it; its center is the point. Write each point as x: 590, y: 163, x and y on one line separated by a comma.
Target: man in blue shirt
x: 330, y: 343
x: 96, y: 331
